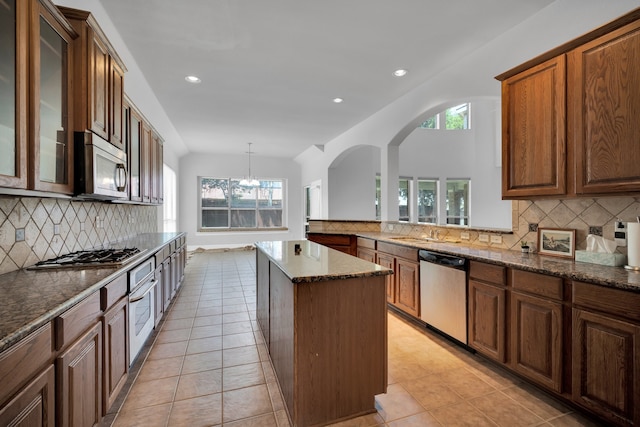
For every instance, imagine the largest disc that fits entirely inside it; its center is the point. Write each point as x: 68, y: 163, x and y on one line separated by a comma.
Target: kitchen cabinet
x: 403, y: 261
x: 366, y: 249
x: 133, y: 141
x: 34, y: 406
x: 99, y: 79
x: 159, y: 293
x: 340, y: 242
x: 604, y: 99
x: 145, y: 163
x: 569, y: 117
x: 14, y: 80
x: 116, y: 345
x: 606, y: 352
x: 388, y: 261
x: 155, y: 162
x: 537, y: 327
x: 487, y: 310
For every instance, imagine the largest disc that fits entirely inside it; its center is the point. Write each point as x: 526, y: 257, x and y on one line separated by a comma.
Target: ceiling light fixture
x: 193, y: 79
x: 249, y: 181
x: 400, y: 73
x: 338, y: 100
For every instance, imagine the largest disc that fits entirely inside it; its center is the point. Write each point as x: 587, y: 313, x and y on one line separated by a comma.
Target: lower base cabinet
x: 79, y: 372
x: 487, y: 319
x: 34, y: 406
x: 116, y: 354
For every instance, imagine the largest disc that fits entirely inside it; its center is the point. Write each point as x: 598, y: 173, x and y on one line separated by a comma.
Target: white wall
x: 471, y: 77
x: 235, y: 166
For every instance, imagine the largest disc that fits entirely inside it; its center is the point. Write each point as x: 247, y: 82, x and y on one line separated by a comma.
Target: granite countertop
x: 316, y: 262
x: 31, y: 298
x: 614, y: 277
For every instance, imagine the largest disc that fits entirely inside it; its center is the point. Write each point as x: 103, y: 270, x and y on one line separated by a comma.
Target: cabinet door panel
x: 34, y: 406
x: 487, y: 319
x: 408, y: 286
x: 116, y: 343
x: 388, y: 262
x: 604, y: 91
x: 533, y: 131
x: 116, y: 102
x: 99, y: 87
x: 606, y: 366
x: 367, y: 254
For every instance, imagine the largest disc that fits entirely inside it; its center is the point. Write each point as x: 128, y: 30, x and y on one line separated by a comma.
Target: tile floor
x: 208, y: 366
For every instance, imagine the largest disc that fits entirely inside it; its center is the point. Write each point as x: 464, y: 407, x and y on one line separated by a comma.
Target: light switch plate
x: 19, y: 234
x: 484, y: 238
x: 464, y: 235
x: 497, y: 239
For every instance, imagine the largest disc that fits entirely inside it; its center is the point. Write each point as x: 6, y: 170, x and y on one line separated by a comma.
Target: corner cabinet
x: 569, y: 117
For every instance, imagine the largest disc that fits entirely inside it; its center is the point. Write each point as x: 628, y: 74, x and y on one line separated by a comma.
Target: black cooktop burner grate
x: 98, y: 257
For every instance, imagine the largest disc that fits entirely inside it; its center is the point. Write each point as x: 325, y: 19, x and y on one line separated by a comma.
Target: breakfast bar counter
x: 323, y: 315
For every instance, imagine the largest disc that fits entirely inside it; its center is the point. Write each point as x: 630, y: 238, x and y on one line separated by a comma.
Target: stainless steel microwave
x: 101, y: 168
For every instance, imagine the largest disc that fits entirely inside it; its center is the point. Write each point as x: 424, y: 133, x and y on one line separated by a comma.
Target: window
x: 454, y: 118
x: 428, y: 200
x: 225, y: 204
x: 458, y: 201
x: 378, y: 194
x: 169, y: 207
x: 403, y: 199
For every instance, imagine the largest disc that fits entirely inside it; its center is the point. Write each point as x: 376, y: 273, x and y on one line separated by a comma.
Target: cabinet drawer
x: 73, y: 322
x: 401, y: 251
x: 537, y: 284
x: 488, y: 272
x: 112, y: 292
x: 608, y: 300
x: 366, y: 243
x: 331, y: 239
x: 20, y: 362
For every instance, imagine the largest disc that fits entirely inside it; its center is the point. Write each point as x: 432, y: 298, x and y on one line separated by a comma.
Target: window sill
x: 242, y: 230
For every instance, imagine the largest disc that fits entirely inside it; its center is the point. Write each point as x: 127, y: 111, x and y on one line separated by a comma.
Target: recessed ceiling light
x: 338, y: 100
x: 193, y: 79
x: 400, y: 73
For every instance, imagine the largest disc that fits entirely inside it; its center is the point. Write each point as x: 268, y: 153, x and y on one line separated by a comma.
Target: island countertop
x: 316, y: 262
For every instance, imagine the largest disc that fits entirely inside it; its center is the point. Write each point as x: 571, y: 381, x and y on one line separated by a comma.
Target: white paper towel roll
x: 633, y: 242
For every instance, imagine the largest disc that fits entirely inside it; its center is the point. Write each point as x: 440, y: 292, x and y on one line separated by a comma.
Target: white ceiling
x: 270, y: 68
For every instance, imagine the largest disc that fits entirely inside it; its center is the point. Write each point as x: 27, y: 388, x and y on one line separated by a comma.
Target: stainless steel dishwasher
x: 443, y: 293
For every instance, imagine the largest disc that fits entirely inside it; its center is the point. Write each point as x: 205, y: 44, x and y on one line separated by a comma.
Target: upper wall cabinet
x: 570, y: 124
x: 99, y: 77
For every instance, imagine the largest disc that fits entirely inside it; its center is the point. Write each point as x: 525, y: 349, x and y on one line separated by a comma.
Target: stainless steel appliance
x: 101, y: 168
x: 142, y: 288
x: 90, y: 258
x: 443, y: 293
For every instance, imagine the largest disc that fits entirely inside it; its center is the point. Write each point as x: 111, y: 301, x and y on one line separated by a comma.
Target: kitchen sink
x: 411, y: 239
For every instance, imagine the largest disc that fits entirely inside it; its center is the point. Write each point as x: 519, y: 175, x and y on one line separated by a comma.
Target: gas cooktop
x: 90, y: 258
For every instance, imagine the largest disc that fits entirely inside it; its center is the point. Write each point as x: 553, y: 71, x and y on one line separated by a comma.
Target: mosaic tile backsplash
x: 579, y: 214
x: 54, y: 227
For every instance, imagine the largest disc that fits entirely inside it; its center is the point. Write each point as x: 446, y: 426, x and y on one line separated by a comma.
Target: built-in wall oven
x: 142, y: 288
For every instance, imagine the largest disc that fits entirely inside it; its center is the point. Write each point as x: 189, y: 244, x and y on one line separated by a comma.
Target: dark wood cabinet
x: 116, y: 354
x: 604, y: 100
x: 79, y: 372
x: 388, y: 261
x: 487, y: 310
x: 367, y: 254
x: 403, y: 287
x: 533, y: 131
x: 34, y: 406
x: 340, y: 242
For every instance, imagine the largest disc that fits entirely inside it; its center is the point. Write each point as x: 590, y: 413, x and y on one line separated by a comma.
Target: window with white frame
x: 227, y: 205
x: 427, y: 200
x: 458, y: 201
x: 169, y: 206
x: 404, y: 195
x: 454, y: 118
x: 378, y: 198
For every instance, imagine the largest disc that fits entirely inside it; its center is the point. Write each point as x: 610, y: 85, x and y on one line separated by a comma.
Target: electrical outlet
x: 82, y: 226
x: 620, y: 233
x: 497, y: 239
x: 98, y: 222
x: 56, y: 229
x: 484, y: 238
x: 19, y: 234
x: 390, y: 227
x: 464, y: 235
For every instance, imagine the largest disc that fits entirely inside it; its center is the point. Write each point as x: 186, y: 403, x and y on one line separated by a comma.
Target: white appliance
x: 443, y: 293
x: 142, y: 288
x: 101, y: 168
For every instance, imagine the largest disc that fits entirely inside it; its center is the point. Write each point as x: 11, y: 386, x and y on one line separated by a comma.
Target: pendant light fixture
x: 249, y: 181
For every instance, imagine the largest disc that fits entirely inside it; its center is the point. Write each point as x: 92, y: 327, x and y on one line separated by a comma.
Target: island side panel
x: 341, y: 348
x: 262, y: 293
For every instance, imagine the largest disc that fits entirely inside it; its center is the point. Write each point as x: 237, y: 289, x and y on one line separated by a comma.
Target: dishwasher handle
x: 442, y: 259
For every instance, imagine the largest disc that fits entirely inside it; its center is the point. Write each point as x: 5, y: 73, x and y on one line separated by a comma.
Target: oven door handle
x: 138, y: 294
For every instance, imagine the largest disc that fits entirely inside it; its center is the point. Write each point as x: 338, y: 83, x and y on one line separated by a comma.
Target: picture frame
x: 557, y: 242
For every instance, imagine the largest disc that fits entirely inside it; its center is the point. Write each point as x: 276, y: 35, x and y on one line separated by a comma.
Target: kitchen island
x: 324, y: 318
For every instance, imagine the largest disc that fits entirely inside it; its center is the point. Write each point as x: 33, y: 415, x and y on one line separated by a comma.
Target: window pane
x: 378, y: 192
x: 458, y: 202
x: 241, y: 196
x: 215, y: 192
x: 243, y: 219
x: 458, y: 117
x: 403, y: 199
x: 428, y: 201
x: 270, y: 194
x: 430, y: 123
x: 270, y: 218
x: 215, y: 218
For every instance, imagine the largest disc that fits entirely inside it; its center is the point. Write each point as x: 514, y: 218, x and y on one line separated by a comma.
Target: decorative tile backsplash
x: 581, y: 214
x: 54, y: 227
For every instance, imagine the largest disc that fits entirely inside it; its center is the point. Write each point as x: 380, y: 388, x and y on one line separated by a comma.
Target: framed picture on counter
x: 557, y: 242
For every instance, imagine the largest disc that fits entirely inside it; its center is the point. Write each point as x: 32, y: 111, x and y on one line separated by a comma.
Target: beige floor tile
x: 168, y: 350
x: 208, y: 311
x: 465, y: 383
x: 240, y: 356
x: 151, y: 393
x: 206, y: 331
x: 431, y: 393
x: 235, y: 317
x: 236, y: 328
x: 197, y: 412
x: 282, y: 419
x: 182, y: 314
x: 174, y: 335
x: 161, y: 368
x: 235, y: 406
x: 369, y: 420
x: 461, y: 414
x: 207, y: 321
x: 505, y: 411
x: 170, y: 324
x: 152, y: 416
x: 420, y: 420
x: 204, y: 345
x: 237, y: 340
x: 537, y: 402
x: 574, y: 420
x: 199, y: 384
x: 200, y: 362
x: 267, y: 420
x: 240, y: 376
x: 234, y: 301
x: 276, y: 397
x: 397, y: 403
